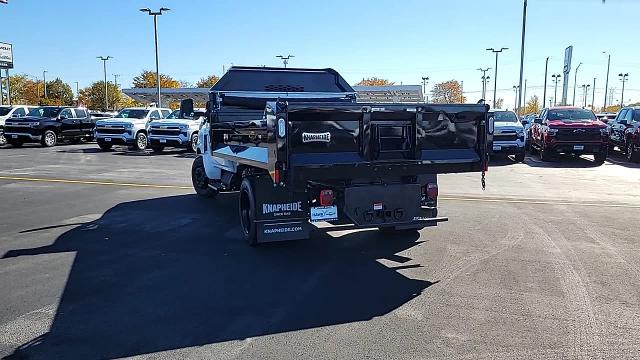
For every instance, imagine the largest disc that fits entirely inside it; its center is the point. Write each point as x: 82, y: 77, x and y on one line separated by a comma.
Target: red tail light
x: 432, y: 190
x: 276, y: 176
x: 326, y: 197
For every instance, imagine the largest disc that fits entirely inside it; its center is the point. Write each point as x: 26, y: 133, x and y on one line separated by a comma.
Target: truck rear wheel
x: 49, y: 138
x: 632, y: 155
x: 140, y: 142
x: 3, y: 140
x: 199, y: 179
x: 248, y: 212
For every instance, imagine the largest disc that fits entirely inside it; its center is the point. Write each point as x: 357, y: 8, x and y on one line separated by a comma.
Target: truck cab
x: 129, y: 127
x: 509, y: 135
x: 179, y: 129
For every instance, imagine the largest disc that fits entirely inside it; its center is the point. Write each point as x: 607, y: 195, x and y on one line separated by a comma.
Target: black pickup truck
x: 50, y: 124
x: 300, y: 149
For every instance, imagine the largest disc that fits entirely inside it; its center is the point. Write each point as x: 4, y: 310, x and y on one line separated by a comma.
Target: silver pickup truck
x: 509, y: 135
x: 176, y: 130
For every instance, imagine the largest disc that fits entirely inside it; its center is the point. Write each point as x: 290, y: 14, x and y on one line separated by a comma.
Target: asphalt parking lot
x: 111, y: 254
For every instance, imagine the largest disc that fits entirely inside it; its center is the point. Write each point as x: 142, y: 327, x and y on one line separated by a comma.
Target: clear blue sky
x: 398, y: 40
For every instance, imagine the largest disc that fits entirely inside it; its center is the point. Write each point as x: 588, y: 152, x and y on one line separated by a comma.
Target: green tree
x: 23, y: 90
x: 59, y: 93
x: 374, y: 81
x: 207, y: 81
x: 93, y: 96
x: 147, y: 79
x: 448, y: 92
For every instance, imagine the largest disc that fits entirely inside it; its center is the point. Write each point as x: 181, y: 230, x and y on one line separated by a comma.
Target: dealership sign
x: 6, y: 56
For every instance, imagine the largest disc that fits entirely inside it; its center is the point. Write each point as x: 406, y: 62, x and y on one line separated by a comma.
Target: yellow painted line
x: 93, y: 182
x: 537, y: 202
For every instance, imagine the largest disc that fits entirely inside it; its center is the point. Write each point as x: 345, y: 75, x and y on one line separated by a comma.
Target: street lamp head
x: 147, y: 10
x: 164, y: 9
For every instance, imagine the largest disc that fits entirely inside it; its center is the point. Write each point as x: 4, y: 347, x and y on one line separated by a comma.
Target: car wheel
x: 248, y: 212
x: 600, y: 157
x: 199, y: 179
x: 544, y: 154
x: 632, y: 155
x: 3, y: 140
x: 49, y: 138
x: 157, y: 149
x: 193, y: 143
x: 519, y: 157
x: 141, y: 141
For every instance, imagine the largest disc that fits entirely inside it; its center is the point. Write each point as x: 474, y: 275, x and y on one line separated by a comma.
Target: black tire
x: 599, y: 158
x: 140, y: 142
x: 3, y: 140
x: 632, y: 155
x: 248, y: 213
x: 193, y: 143
x: 104, y: 146
x: 544, y: 155
x: 49, y: 138
x: 519, y: 157
x: 157, y: 149
x: 199, y: 179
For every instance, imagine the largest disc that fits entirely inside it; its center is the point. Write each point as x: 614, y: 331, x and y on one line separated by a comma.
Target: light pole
x: 77, y: 94
x: 104, y: 67
x: 285, y: 59
x: 484, y: 82
x: 585, y: 88
x: 155, y: 15
x: 556, y: 80
x: 606, y: 85
x: 425, y: 80
x: 44, y: 81
x: 495, y: 74
x: 515, y: 101
x: 524, y: 26
x: 624, y: 78
x: 575, y: 82
x: 115, y: 79
x: 593, y: 94
x: 544, y: 94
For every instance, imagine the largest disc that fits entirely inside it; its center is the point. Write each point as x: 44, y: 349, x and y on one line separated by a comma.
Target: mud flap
x: 283, y: 231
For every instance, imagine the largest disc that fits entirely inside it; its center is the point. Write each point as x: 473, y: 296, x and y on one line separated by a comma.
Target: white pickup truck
x: 176, y: 130
x: 129, y: 127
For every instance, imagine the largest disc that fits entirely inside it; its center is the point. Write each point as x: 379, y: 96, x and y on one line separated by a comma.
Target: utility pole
x: 461, y: 92
x: 606, y: 85
x: 524, y: 27
x: 624, y: 78
x: 285, y: 59
x: 8, y: 86
x: 544, y: 94
x: 556, y: 80
x: 425, y: 80
x: 524, y: 96
x: 115, y: 79
x: 515, y: 101
x: 104, y: 68
x: 495, y: 74
x: 155, y: 15
x: 585, y: 88
x: 77, y: 94
x: 593, y: 94
x: 44, y: 81
x: 484, y: 82
x: 575, y: 82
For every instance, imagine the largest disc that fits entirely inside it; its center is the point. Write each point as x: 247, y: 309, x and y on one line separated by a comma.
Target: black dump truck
x: 300, y: 149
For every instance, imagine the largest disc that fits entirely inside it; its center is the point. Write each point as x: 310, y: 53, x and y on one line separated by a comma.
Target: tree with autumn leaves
x: 374, y: 81
x: 448, y: 92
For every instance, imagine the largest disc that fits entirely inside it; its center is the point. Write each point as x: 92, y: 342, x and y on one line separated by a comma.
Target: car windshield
x: 505, y: 116
x: 132, y: 114
x: 571, y: 115
x: 45, y: 112
x: 4, y: 110
x: 174, y: 114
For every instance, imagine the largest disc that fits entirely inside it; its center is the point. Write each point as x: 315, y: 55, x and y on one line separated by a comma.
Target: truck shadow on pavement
x: 170, y: 273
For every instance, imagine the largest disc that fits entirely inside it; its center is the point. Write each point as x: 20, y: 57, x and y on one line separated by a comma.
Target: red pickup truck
x: 569, y: 130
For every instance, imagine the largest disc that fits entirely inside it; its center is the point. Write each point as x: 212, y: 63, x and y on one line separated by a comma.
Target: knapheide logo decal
x: 278, y: 208
x: 316, y: 137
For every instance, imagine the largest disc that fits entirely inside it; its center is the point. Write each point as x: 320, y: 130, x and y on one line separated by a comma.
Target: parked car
x: 569, y: 130
x: 176, y: 130
x: 624, y: 132
x: 11, y: 111
x: 129, y: 127
x: 508, y: 135
x: 527, y: 121
x: 49, y: 125
x: 606, y: 117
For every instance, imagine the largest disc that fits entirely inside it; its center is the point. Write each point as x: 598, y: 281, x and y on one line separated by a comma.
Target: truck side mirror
x: 524, y: 121
x: 62, y: 117
x: 537, y: 121
x: 490, y: 124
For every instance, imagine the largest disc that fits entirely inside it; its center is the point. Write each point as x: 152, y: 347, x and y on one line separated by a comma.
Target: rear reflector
x: 326, y: 197
x: 432, y: 191
x: 276, y: 176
